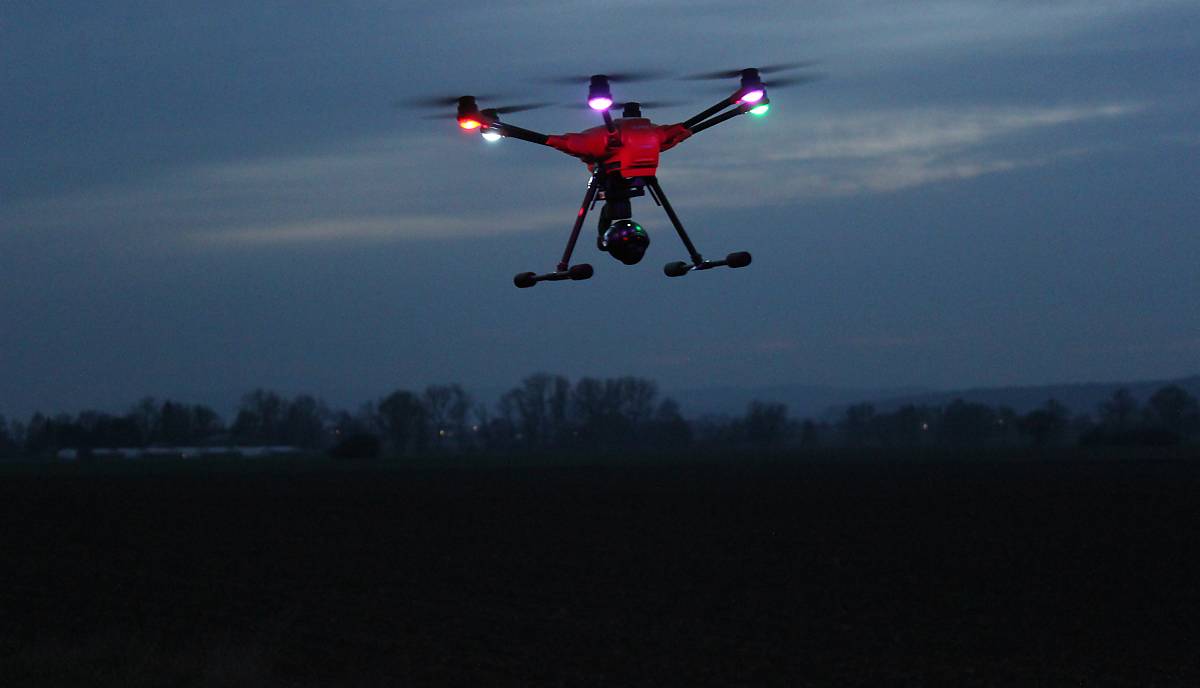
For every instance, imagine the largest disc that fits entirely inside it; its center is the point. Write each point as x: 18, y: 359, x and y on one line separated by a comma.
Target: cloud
x: 386, y: 188
x: 1183, y: 138
x: 884, y: 134
x: 840, y: 154
x: 396, y: 227
x: 895, y: 341
x: 395, y: 188
x: 879, y: 27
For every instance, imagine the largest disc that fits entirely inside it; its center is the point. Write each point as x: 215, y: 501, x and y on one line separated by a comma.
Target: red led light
x: 468, y: 123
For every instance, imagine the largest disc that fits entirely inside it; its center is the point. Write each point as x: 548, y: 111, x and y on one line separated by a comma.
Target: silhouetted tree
x: 101, y: 430
x: 856, y: 423
x: 810, y: 434
x: 596, y: 410
x: 205, y: 423
x: 1083, y: 428
x: 635, y: 398
x: 343, y: 423
x: 354, y: 435
x: 539, y: 409
x: 1122, y: 423
x: 1008, y: 425
x: 401, y: 417
x: 908, y: 426
x: 169, y: 423
x: 446, y: 407
x: 766, y: 423
x: 174, y: 425
x: 1045, y: 426
x: 356, y: 445
x: 259, y: 418
x: 499, y: 433
x: 303, y: 423
x: 491, y: 433
x: 145, y: 416
x: 16, y: 431
x: 45, y: 436
x: 965, y: 423
x: 1173, y: 409
x: 590, y: 402
x: 8, y: 446
x: 669, y: 430
x: 623, y: 412
x: 1119, y: 413
x: 38, y: 440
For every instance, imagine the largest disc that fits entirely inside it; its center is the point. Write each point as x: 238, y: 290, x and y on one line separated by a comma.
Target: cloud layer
x: 398, y: 188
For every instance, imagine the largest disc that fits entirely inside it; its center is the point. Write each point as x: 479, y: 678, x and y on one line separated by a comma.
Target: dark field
x: 998, y: 573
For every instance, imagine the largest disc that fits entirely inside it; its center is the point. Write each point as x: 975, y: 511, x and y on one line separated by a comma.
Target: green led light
x: 761, y: 109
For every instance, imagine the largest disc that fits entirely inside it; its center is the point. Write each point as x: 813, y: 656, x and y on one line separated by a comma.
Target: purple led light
x: 753, y: 96
x: 600, y: 103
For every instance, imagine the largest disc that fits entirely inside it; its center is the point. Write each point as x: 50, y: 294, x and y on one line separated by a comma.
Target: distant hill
x: 1080, y: 398
x: 822, y: 401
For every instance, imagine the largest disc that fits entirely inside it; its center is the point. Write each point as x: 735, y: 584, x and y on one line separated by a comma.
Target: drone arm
x: 516, y: 132
x: 692, y: 122
x: 671, y: 135
x: 723, y: 117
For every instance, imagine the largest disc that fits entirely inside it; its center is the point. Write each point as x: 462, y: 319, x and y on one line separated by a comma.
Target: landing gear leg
x: 601, y: 227
x: 739, y: 259
x: 564, y: 269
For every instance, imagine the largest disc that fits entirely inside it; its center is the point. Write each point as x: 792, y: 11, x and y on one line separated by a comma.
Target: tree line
x: 1170, y: 416
x: 548, y: 413
x: 543, y: 413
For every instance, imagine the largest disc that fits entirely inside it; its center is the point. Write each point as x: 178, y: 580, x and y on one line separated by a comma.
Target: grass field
x: 736, y: 573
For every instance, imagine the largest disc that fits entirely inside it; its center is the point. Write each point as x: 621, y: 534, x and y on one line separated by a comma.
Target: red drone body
x: 632, y: 150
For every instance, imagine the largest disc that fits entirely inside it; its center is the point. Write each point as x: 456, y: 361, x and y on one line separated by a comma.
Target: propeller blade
x: 618, y: 77
x: 657, y: 104
x: 792, y: 81
x: 627, y: 77
x: 645, y: 104
x: 783, y: 67
x: 507, y: 109
x: 435, y: 101
x: 706, y: 76
x: 735, y: 73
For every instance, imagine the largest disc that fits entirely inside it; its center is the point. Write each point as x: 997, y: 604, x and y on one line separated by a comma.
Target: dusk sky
x: 197, y: 199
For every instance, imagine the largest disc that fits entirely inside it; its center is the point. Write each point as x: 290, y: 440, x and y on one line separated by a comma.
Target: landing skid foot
x: 582, y: 271
x: 679, y: 268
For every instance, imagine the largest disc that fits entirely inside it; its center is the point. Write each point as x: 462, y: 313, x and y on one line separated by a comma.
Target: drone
x: 622, y: 156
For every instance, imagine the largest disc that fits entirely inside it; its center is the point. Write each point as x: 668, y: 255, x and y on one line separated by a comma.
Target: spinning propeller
x: 734, y: 73
x: 618, y: 77
x: 599, y: 93
x: 466, y: 106
x: 643, y: 104
x: 753, y: 87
